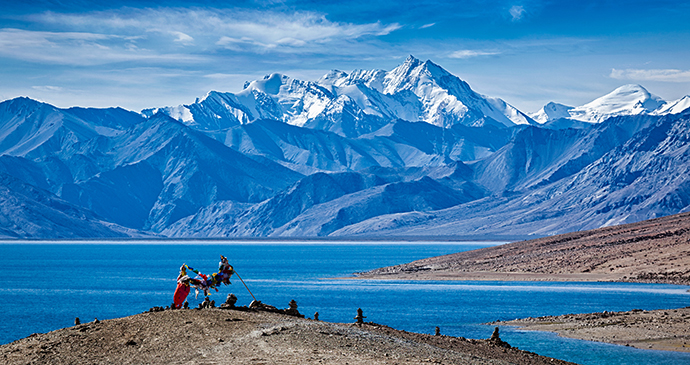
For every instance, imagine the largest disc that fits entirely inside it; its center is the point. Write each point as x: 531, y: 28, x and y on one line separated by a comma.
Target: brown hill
x: 225, y: 336
x: 656, y: 250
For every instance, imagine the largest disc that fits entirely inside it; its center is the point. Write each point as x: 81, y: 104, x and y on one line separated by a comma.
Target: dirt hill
x: 656, y: 250
x: 225, y: 336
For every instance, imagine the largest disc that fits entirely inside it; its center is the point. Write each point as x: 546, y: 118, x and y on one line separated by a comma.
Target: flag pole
x: 245, y: 285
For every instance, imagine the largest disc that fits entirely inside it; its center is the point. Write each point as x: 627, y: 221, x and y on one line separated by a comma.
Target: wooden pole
x: 245, y: 285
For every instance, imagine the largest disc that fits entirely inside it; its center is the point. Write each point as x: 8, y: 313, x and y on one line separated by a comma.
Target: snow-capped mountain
x: 674, y: 107
x: 551, y: 111
x: 351, y: 104
x: 625, y: 100
x: 410, y: 151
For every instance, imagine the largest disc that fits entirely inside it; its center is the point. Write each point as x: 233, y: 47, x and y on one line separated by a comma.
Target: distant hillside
x: 656, y: 250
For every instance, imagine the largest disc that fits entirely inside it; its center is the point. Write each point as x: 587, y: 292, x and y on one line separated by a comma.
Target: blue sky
x: 140, y: 54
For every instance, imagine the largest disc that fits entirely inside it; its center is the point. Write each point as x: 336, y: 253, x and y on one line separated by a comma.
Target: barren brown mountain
x: 656, y: 250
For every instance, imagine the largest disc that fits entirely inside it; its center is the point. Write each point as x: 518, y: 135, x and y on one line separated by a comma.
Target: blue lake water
x: 47, y: 285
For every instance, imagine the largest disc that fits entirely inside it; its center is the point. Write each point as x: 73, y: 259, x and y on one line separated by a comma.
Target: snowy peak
x: 674, y: 107
x: 551, y: 111
x: 404, y: 77
x: 414, y: 91
x: 626, y: 100
x: 271, y: 84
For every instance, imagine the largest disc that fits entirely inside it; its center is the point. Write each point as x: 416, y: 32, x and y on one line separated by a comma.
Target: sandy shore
x: 667, y: 330
x: 223, y: 336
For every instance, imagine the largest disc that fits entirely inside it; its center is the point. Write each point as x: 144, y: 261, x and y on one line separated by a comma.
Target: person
x: 183, y: 288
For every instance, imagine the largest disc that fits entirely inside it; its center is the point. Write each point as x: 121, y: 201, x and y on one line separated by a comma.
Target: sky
x: 143, y: 54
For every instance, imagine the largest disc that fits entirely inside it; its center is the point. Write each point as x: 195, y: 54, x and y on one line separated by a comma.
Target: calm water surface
x: 47, y: 285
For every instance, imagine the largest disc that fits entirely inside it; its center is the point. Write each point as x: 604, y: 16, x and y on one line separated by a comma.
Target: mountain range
x: 409, y: 152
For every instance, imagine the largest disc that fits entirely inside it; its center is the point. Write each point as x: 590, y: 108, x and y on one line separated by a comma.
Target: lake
x: 48, y: 284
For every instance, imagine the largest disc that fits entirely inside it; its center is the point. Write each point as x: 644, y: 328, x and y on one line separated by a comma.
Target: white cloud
x: 182, y: 38
x: 427, y: 25
x: 270, y: 30
x: 663, y: 75
x: 77, y: 48
x: 468, y: 53
x: 47, y: 88
x: 517, y: 12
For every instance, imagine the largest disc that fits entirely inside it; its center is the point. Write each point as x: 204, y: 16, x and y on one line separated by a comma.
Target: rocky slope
x: 656, y: 250
x: 215, y: 336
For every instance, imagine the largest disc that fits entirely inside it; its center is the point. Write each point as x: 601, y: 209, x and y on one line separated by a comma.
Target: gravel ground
x: 222, y: 336
x: 659, y: 329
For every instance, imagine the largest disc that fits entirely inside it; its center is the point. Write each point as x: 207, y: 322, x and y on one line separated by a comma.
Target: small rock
x: 96, y: 321
x: 77, y: 321
x: 316, y: 316
x: 438, y: 331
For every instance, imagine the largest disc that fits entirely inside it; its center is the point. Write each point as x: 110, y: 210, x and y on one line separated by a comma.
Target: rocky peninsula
x: 653, y: 251
x: 658, y: 329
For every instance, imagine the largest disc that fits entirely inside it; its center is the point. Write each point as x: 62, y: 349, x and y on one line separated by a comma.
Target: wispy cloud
x: 517, y: 12
x: 48, y: 88
x: 262, y: 29
x: 183, y: 38
x: 77, y: 48
x: 427, y: 25
x: 663, y: 75
x: 469, y: 53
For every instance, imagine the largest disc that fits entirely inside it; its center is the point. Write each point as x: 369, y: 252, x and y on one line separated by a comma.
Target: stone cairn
x: 438, y: 332
x: 316, y: 316
x: 292, y: 310
x: 360, y: 316
x: 207, y: 303
x: 495, y: 339
x: 229, y: 302
x: 77, y: 321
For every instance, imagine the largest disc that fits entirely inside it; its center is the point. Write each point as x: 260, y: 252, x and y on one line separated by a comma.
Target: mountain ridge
x: 340, y: 157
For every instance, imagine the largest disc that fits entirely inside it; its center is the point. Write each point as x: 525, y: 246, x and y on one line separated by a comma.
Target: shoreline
x: 661, y: 329
x: 423, y: 275
x: 513, y: 276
